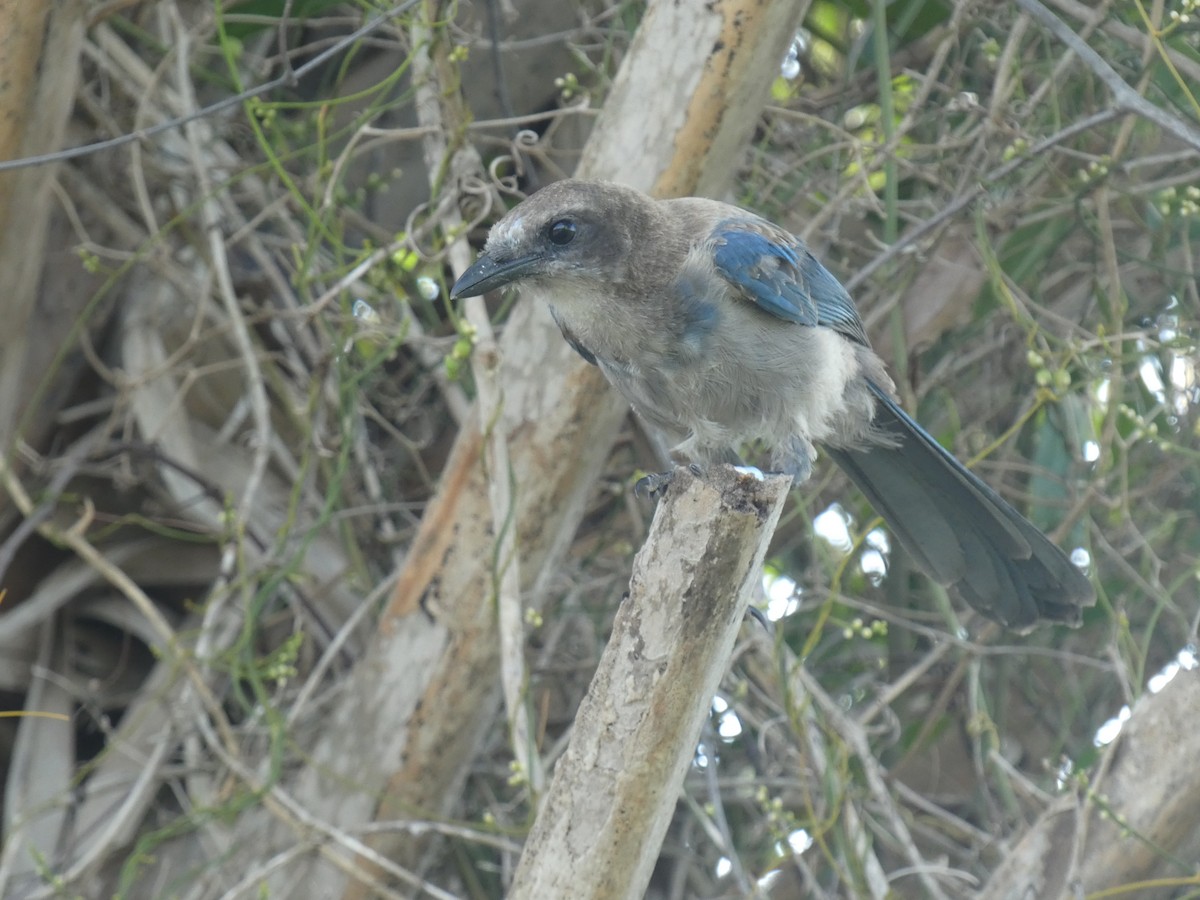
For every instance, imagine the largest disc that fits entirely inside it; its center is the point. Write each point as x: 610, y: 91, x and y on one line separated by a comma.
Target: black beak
x: 488, y: 274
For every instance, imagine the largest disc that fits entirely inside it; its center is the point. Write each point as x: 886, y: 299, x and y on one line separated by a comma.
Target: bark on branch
x: 39, y: 65
x: 602, y: 825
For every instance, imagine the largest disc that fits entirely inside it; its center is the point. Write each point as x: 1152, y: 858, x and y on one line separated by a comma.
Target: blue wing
x: 773, y: 270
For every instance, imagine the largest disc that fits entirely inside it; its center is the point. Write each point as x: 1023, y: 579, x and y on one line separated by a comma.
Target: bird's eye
x: 562, y: 232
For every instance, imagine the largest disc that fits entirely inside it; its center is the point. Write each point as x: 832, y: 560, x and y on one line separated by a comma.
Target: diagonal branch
x: 1127, y: 98
x: 614, y: 791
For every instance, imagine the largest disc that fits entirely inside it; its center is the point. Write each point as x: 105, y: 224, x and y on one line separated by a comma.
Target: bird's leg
x: 794, y: 457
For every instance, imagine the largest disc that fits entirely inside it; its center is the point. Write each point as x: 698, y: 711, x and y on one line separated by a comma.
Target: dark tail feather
x: 960, y: 531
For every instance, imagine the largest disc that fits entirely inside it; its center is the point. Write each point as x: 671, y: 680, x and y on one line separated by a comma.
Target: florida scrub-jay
x: 721, y: 329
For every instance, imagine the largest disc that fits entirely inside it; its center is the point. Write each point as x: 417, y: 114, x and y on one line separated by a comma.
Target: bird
x: 722, y: 329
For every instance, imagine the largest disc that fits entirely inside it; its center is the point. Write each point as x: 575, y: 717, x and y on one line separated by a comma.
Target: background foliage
x: 212, y: 484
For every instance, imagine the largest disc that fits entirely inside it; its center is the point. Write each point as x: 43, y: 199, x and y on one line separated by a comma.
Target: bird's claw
x: 653, y: 486
x: 760, y: 616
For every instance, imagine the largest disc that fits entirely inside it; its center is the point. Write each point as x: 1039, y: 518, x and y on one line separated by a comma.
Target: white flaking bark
x: 614, y: 791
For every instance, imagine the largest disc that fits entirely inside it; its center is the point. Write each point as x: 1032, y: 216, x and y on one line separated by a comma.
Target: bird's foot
x: 655, y: 485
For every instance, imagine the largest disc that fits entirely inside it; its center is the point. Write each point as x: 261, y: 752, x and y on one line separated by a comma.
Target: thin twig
x: 853, y: 734
x: 959, y: 203
x: 1128, y: 100
x: 300, y: 820
x: 447, y: 168
x: 285, y: 80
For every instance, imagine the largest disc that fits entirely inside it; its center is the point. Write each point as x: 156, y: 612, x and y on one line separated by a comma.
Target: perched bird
x: 722, y: 329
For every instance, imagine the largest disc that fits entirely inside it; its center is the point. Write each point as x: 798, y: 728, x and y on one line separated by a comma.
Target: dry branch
x: 39, y: 53
x: 1139, y: 819
x: 614, y: 791
x: 1126, y: 98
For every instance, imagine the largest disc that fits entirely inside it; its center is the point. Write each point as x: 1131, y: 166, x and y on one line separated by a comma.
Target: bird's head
x: 573, y: 230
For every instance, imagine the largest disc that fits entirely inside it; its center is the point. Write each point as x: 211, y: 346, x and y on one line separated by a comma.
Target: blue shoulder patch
x: 777, y: 273
x: 763, y: 271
